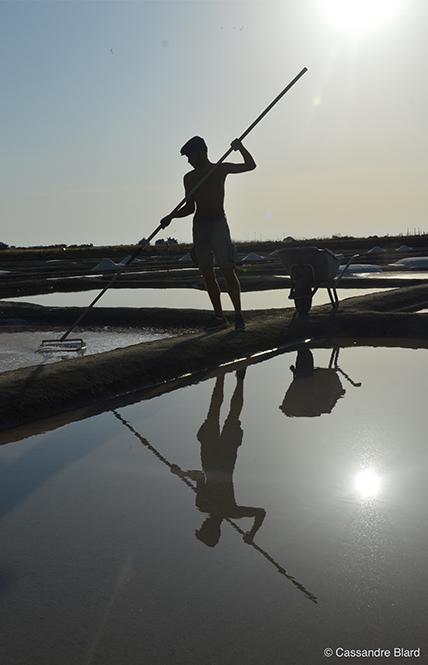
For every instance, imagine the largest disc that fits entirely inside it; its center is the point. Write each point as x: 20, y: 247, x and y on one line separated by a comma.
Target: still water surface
x: 109, y: 556
x: 183, y: 298
x: 23, y: 348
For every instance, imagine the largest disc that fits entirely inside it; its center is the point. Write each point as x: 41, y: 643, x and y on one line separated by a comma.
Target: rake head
x: 72, y: 345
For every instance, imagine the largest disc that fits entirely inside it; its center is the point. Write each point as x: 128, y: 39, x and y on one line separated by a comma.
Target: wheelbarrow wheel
x: 302, y: 296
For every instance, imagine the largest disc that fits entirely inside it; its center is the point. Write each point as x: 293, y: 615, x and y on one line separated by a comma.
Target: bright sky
x: 90, y: 136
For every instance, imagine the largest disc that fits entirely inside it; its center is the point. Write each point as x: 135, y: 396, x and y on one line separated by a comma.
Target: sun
x: 356, y: 17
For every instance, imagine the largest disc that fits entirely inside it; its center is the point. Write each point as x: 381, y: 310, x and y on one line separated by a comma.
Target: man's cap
x: 195, y: 144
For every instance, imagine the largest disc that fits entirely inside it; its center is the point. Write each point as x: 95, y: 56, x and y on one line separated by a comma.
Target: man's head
x: 209, y: 533
x: 304, y: 364
x: 196, y: 151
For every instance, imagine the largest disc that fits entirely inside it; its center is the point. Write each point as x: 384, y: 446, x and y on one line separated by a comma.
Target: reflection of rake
x: 233, y: 524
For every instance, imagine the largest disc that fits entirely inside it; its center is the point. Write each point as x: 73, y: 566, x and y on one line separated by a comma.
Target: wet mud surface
x: 22, y: 348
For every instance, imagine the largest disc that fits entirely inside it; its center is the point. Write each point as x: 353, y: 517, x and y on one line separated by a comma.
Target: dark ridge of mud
x: 41, y: 315
x: 251, y: 280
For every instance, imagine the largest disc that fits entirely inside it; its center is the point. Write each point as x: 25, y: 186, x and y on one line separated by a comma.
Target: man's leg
x: 234, y: 291
x: 237, y: 401
x: 233, y: 288
x: 225, y: 255
x: 205, y: 259
x: 217, y: 396
x: 213, y: 290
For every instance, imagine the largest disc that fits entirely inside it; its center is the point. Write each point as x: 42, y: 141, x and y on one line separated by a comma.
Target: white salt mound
x: 416, y: 263
x: 107, y: 265
x: 252, y: 257
x: 404, y: 248
x: 123, y: 261
x: 361, y: 268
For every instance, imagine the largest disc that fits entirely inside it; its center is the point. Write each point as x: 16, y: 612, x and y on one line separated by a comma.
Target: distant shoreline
x: 336, y: 243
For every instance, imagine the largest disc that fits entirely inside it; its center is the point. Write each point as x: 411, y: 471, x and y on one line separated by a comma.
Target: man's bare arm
x: 248, y: 511
x: 187, y: 209
x: 196, y: 475
x: 249, y: 163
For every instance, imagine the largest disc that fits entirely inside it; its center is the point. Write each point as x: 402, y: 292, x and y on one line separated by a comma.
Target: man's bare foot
x: 239, y: 322
x: 240, y: 374
x: 216, y: 323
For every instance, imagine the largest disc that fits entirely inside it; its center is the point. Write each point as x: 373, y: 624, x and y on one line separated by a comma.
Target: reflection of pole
x: 334, y: 359
x: 279, y: 568
x: 356, y: 384
x: 267, y: 556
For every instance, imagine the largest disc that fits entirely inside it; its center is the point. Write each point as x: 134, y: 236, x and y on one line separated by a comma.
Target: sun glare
x: 360, y: 16
x: 367, y: 484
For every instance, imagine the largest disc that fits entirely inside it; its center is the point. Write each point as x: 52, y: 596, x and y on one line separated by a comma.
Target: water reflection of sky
x: 23, y: 348
x: 100, y: 558
x: 183, y: 298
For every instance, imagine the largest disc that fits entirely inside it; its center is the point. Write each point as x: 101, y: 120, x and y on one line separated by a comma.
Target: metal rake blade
x: 72, y: 345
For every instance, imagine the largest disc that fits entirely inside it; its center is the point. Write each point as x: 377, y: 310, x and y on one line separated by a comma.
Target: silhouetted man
x: 211, y: 235
x: 219, y: 448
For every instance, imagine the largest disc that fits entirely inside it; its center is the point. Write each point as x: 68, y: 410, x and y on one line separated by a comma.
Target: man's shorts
x: 211, y: 240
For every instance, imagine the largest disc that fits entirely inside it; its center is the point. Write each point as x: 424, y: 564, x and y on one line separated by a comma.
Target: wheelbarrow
x: 314, y: 391
x: 310, y: 269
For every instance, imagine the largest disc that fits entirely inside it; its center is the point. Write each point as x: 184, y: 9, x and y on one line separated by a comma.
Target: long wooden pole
x: 184, y: 200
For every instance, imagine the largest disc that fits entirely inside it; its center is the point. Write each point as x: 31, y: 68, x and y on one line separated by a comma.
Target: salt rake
x: 78, y: 344
x: 71, y: 345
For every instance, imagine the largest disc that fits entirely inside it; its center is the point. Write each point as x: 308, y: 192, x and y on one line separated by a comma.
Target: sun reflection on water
x: 367, y: 484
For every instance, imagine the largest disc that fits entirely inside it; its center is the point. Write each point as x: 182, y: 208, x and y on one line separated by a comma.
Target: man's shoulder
x: 189, y: 175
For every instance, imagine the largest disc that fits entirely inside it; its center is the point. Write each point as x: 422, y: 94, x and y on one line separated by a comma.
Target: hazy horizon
x: 98, y: 98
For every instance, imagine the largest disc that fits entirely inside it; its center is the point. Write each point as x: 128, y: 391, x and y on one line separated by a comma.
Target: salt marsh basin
x: 101, y: 563
x: 23, y: 348
x: 183, y: 298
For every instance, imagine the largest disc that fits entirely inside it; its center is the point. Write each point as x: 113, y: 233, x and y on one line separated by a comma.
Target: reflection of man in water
x: 219, y: 448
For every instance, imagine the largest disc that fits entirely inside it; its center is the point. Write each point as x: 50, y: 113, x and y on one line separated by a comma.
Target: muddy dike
x: 254, y: 278
x: 37, y: 392
x: 23, y: 315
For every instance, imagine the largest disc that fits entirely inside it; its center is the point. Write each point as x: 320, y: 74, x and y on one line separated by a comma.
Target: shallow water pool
x: 181, y: 298
x: 111, y: 555
x: 23, y: 349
